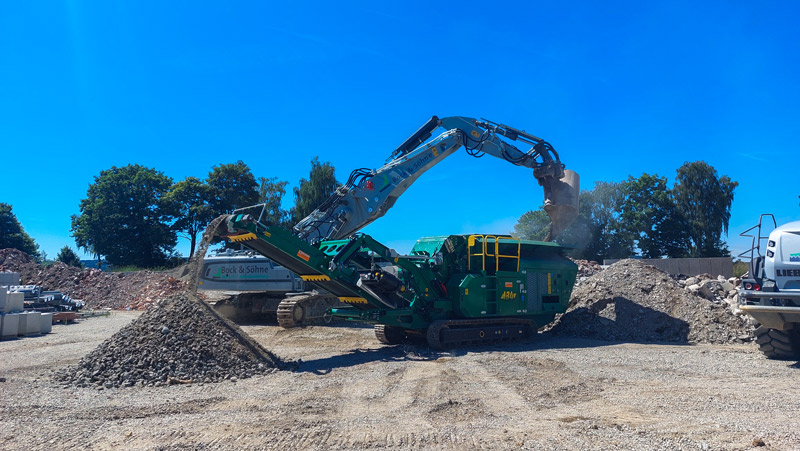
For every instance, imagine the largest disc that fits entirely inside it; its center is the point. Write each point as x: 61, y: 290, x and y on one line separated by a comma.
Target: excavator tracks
x: 445, y: 334
x: 390, y: 335
x: 305, y: 309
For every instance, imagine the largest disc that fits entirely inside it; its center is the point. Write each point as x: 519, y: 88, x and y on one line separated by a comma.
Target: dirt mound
x: 177, y: 340
x: 632, y: 301
x: 98, y: 289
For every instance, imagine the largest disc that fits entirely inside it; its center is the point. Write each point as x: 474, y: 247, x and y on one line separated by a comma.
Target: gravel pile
x: 98, y: 289
x: 177, y: 340
x: 632, y: 301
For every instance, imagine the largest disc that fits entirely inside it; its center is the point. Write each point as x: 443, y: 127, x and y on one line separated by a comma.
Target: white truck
x: 771, y: 292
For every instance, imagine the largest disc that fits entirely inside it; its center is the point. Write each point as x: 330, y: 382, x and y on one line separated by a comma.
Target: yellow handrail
x: 498, y: 255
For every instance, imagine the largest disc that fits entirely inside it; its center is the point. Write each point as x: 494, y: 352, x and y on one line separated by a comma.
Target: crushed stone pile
x: 177, y: 340
x: 98, y: 289
x: 586, y: 269
x: 632, y: 301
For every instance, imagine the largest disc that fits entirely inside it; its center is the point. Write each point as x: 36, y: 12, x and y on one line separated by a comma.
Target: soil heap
x: 632, y: 301
x: 98, y: 289
x: 176, y: 340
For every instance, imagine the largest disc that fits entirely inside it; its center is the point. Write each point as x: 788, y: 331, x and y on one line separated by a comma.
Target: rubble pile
x: 586, y: 269
x: 632, y: 301
x: 98, y: 289
x: 717, y: 289
x: 177, y: 340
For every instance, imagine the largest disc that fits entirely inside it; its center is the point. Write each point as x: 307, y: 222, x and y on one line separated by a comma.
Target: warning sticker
x: 303, y: 255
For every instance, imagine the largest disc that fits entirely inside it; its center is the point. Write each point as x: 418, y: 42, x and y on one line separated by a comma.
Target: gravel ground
x: 350, y: 392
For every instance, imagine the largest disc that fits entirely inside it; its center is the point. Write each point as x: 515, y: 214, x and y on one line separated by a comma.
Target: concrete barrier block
x: 3, y: 299
x: 34, y: 324
x: 47, y: 323
x: 15, y: 302
x: 23, y: 323
x: 9, y: 278
x: 9, y: 326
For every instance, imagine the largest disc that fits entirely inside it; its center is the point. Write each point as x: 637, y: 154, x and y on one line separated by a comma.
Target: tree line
x: 133, y: 215
x: 642, y: 216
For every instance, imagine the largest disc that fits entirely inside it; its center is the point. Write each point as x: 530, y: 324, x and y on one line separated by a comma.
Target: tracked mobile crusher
x: 450, y: 290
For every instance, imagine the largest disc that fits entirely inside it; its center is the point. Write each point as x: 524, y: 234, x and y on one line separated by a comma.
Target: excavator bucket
x: 561, y: 202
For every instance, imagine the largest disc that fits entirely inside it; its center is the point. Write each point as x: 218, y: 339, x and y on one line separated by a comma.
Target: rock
x: 691, y: 281
x: 136, y: 356
x: 632, y: 301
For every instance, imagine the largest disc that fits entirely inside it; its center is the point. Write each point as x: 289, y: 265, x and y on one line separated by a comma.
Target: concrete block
x: 3, y: 299
x: 9, y: 278
x: 15, y: 302
x: 47, y: 323
x: 23, y: 323
x: 9, y: 326
x: 33, y: 324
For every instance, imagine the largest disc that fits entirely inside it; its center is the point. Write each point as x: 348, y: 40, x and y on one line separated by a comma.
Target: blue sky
x: 619, y: 88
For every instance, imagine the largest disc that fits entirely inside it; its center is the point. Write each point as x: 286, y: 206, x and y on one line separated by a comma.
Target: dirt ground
x: 350, y: 392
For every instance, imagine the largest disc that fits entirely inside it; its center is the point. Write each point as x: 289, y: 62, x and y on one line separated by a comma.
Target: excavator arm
x: 369, y: 194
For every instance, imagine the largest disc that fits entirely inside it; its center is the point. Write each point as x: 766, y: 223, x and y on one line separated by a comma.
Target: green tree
x: 126, y: 217
x: 190, y: 196
x: 270, y: 193
x: 311, y: 193
x: 703, y: 201
x: 68, y: 257
x: 532, y: 225
x: 12, y: 235
x: 597, y: 233
x: 648, y: 213
x: 609, y: 238
x: 231, y: 186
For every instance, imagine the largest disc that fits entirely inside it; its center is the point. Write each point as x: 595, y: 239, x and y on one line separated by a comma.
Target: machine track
x: 305, y: 309
x: 452, y: 333
x: 390, y: 335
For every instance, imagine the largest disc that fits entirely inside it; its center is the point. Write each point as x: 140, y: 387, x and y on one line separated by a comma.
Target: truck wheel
x: 778, y: 344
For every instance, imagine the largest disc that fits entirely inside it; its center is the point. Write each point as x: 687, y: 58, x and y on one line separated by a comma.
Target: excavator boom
x: 369, y: 194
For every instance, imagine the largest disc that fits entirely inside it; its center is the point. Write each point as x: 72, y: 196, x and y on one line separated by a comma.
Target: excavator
x: 449, y: 290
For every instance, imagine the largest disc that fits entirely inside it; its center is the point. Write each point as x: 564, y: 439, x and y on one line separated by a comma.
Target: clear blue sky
x: 619, y: 88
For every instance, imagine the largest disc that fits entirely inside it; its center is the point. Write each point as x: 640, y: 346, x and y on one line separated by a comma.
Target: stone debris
x: 178, y: 340
x: 586, y: 269
x: 633, y: 301
x: 98, y: 289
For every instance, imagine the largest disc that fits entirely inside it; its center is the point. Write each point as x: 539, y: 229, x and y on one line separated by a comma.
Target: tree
x: 609, y: 239
x: 703, y: 201
x: 648, y: 214
x: 68, y: 257
x: 231, y: 186
x: 191, y: 196
x: 12, y: 235
x: 311, y: 193
x: 126, y: 217
x: 597, y: 233
x: 270, y: 193
x: 532, y: 225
